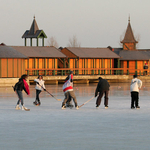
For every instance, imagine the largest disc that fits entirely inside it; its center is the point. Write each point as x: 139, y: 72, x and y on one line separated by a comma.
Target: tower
x: 129, y: 42
x: 34, y: 32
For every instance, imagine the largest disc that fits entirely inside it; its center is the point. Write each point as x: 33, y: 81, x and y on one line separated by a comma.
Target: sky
x: 95, y: 23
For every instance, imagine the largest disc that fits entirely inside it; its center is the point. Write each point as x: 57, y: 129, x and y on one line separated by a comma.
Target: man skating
x: 102, y: 88
x: 68, y: 91
x: 136, y: 84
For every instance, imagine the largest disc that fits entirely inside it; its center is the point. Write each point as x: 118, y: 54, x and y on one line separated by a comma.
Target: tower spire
x: 129, y: 41
x: 129, y: 18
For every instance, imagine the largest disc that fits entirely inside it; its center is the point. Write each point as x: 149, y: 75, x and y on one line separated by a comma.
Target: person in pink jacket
x: 18, y: 88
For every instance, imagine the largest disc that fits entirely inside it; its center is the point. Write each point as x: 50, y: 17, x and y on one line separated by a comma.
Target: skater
x: 136, y: 84
x: 68, y: 91
x: 39, y: 87
x: 19, y: 86
x: 102, y: 88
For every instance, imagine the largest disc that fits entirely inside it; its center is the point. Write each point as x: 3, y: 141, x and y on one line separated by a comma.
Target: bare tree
x: 137, y: 38
x: 52, y: 42
x: 73, y: 42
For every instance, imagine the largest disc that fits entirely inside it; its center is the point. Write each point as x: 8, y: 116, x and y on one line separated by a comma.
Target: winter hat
x: 71, y: 72
x: 100, y: 78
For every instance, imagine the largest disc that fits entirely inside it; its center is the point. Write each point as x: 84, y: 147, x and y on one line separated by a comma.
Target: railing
x: 87, y: 71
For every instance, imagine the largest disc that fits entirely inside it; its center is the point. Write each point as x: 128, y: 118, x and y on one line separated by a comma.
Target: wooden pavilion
x: 34, y: 32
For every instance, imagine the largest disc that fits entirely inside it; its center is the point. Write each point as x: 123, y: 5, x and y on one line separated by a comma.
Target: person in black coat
x: 102, y: 88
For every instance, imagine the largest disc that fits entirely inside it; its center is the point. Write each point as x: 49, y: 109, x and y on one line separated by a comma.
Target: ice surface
x: 48, y: 127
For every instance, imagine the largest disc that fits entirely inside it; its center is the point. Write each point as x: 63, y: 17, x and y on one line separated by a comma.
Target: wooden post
x: 64, y: 66
x: 25, y: 42
x: 136, y: 66
x: 54, y: 68
x: 45, y: 66
x: 37, y: 41
x: 118, y: 66
x: 78, y: 66
x: 102, y: 66
x: 93, y: 67
x: 110, y: 66
x: 0, y: 69
x: 13, y: 67
x: 30, y: 41
x: 17, y: 68
x: 35, y: 66
x: 7, y: 67
x: 84, y: 67
x: 43, y: 41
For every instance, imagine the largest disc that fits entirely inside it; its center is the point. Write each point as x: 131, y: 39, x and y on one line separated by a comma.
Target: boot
x: 17, y: 107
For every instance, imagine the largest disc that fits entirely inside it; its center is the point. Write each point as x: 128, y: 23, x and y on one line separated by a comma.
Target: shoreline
x: 78, y: 79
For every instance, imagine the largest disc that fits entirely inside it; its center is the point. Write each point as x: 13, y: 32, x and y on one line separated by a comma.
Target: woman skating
x: 39, y: 87
x: 19, y: 86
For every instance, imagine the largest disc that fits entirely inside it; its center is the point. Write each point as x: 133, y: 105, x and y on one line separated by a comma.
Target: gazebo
x: 34, y: 32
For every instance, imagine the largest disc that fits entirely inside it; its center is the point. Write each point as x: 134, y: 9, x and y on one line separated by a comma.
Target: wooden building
x: 129, y: 42
x: 132, y: 60
x: 89, y: 60
x: 42, y: 60
x: 12, y: 63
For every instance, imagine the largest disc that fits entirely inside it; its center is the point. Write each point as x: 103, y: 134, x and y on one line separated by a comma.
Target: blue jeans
x: 20, y: 96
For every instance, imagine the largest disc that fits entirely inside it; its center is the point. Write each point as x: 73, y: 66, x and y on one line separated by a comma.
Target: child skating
x: 19, y: 86
x: 39, y: 87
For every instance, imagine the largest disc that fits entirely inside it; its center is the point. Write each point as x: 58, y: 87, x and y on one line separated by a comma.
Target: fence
x: 87, y: 71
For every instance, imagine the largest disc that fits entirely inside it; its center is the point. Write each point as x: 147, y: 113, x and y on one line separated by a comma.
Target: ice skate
x: 17, y: 107
x: 97, y: 106
x: 77, y: 107
x: 38, y: 104
x: 35, y: 103
x: 25, y: 108
x: 138, y: 107
x: 106, y: 107
x: 132, y: 107
x: 63, y: 107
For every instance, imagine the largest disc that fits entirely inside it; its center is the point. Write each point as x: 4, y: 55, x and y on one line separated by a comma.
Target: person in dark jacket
x: 102, y: 88
x: 19, y: 86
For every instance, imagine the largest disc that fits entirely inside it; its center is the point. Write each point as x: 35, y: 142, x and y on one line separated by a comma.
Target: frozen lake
x: 48, y: 127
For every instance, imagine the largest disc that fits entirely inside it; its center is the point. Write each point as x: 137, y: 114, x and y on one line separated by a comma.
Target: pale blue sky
x: 96, y: 23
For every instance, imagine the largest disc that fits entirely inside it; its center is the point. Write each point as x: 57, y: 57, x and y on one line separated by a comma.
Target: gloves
x: 96, y: 93
x: 44, y: 89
